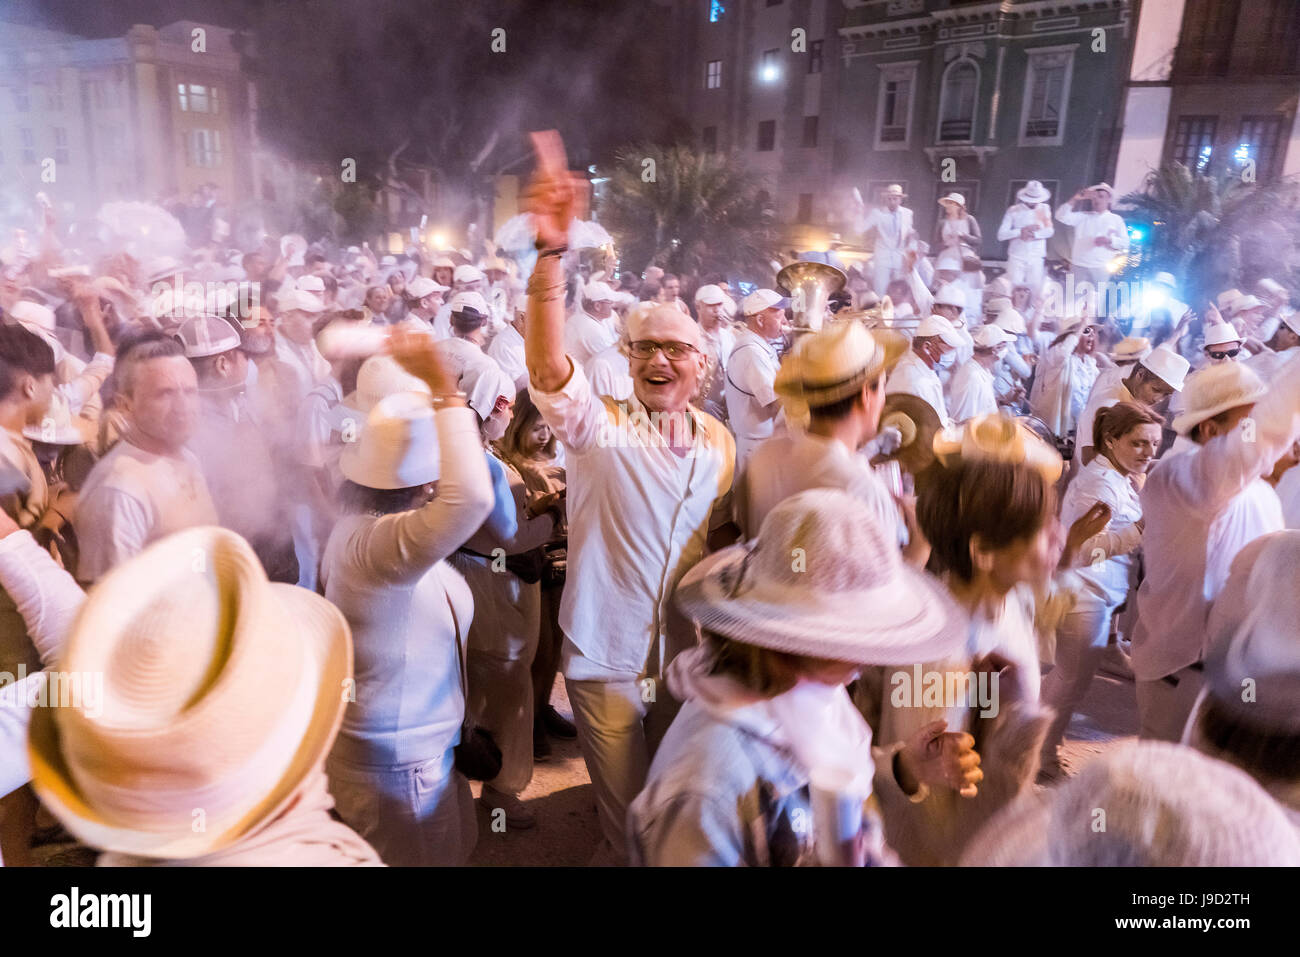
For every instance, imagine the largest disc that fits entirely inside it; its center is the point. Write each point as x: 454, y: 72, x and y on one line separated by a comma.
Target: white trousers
x: 1026, y: 272
x: 1080, y: 646
x: 886, y: 266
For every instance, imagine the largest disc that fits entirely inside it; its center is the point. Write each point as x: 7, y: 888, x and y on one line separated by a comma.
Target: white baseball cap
x: 469, y: 300
x: 421, y: 286
x: 297, y: 300
x: 710, y: 295
x: 465, y: 274
x: 597, y: 292
x: 760, y: 299
x: 950, y: 295
x: 991, y: 336
x: 940, y: 327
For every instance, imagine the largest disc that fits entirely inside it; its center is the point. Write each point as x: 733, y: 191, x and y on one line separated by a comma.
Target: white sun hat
x: 38, y: 318
x: 991, y: 336
x: 938, y: 326
x: 1217, y: 388
x: 1131, y: 349
x: 382, y: 376
x: 825, y: 579
x: 222, y: 692
x: 203, y: 336
x: 953, y: 199
x: 397, y: 448
x: 1033, y: 193
x: 950, y: 295
x: 466, y: 274
x: 1220, y: 333
x: 1164, y: 805
x: 484, y: 382
x: 710, y: 295
x: 1168, y: 365
x: 760, y: 299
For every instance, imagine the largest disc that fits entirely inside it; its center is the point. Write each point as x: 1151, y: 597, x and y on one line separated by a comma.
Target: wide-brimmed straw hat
x: 996, y: 438
x: 836, y: 362
x: 825, y: 579
x: 1158, y: 804
x: 398, y: 448
x: 1131, y: 348
x: 380, y: 377
x: 222, y: 691
x: 1216, y: 389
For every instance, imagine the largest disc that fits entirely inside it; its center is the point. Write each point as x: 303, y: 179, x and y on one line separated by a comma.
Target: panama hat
x: 380, y: 377
x: 1033, y: 193
x: 398, y: 448
x: 836, y: 362
x: 1165, y: 805
x: 1215, y: 389
x: 1219, y: 333
x: 1168, y: 365
x: 222, y: 692
x: 996, y: 438
x: 1131, y: 349
x: 824, y: 578
x: 893, y: 189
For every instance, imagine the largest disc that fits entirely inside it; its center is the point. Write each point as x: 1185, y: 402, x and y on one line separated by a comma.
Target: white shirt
x: 912, y: 376
x: 892, y: 229
x: 1267, y: 363
x: 750, y: 387
x: 1016, y: 218
x: 1107, y: 390
x: 507, y: 348
x: 785, y: 465
x: 1288, y: 492
x: 971, y: 392
x: 1062, y: 386
x: 132, y: 498
x: 309, y: 367
x: 585, y: 335
x: 639, y: 517
x: 1103, y: 561
x: 1185, y: 544
x: 609, y: 373
x: 1090, y: 226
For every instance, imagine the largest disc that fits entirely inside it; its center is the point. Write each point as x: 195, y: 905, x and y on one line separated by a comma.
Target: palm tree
x: 689, y: 212
x: 1215, y: 231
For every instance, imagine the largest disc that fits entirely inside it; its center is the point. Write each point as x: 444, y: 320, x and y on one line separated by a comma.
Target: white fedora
x: 221, y: 692
x: 398, y: 448
x: 836, y: 362
x: 1215, y: 389
x: 1220, y: 333
x: 893, y: 189
x: 1033, y: 193
x: 1225, y: 299
x: 380, y: 377
x: 1165, y: 805
x: 824, y: 578
x: 38, y: 318
x: 1168, y: 365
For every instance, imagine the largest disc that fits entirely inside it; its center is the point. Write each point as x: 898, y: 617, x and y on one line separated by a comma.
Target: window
x: 957, y: 110
x: 809, y: 132
x: 1194, y: 141
x: 204, y: 148
x: 1047, y: 91
x: 710, y: 139
x: 766, y: 135
x: 1259, y: 141
x: 29, y: 145
x: 815, y: 56
x: 716, y: 10
x: 804, y: 216
x: 713, y: 75
x: 60, y: 145
x: 769, y: 68
x: 196, y: 98
x: 22, y: 102
x: 894, y: 109
x: 1205, y: 41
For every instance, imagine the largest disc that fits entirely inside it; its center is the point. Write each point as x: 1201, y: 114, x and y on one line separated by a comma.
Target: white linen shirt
x: 639, y: 518
x: 1104, y: 561
x: 751, y: 385
x: 912, y: 376
x: 1185, y: 496
x: 1107, y: 390
x: 970, y: 393
x: 507, y: 348
x: 1088, y: 227
x: 1016, y: 218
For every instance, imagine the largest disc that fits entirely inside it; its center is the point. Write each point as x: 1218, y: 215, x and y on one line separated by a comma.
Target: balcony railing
x: 951, y: 131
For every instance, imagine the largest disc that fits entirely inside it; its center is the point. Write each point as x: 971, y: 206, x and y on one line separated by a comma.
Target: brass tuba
x: 810, y: 285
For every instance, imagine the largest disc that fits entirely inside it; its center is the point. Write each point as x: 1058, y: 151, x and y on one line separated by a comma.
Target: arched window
x: 957, y: 102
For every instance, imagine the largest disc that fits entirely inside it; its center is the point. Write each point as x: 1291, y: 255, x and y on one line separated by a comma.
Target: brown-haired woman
x: 1127, y: 439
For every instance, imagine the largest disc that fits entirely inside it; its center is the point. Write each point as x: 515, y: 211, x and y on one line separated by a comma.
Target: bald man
x: 648, y: 479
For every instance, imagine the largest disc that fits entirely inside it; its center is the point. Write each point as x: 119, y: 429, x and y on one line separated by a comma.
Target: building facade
x: 1214, y: 85
x: 151, y: 115
x: 939, y: 96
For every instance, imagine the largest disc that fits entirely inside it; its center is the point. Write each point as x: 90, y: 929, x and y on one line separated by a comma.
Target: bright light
x: 439, y: 241
x: 1243, y: 152
x: 1136, y: 235
x: 769, y: 73
x: 1154, y: 296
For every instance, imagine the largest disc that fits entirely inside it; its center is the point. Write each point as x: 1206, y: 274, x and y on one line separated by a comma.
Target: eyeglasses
x: 1230, y: 354
x: 673, y: 351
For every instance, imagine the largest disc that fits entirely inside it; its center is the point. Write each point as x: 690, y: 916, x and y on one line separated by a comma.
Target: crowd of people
x: 318, y: 535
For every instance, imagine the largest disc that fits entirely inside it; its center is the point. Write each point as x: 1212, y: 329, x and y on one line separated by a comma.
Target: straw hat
x: 996, y: 438
x: 1131, y: 348
x: 1215, y: 389
x: 836, y: 362
x: 1033, y: 193
x: 1010, y: 319
x: 398, y: 448
x: 57, y: 426
x: 893, y: 189
x: 824, y: 579
x: 222, y: 692
x: 1165, y: 805
x: 1168, y: 365
x: 380, y: 377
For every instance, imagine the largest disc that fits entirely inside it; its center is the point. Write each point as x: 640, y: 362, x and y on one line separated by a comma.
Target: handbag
x: 478, y: 756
